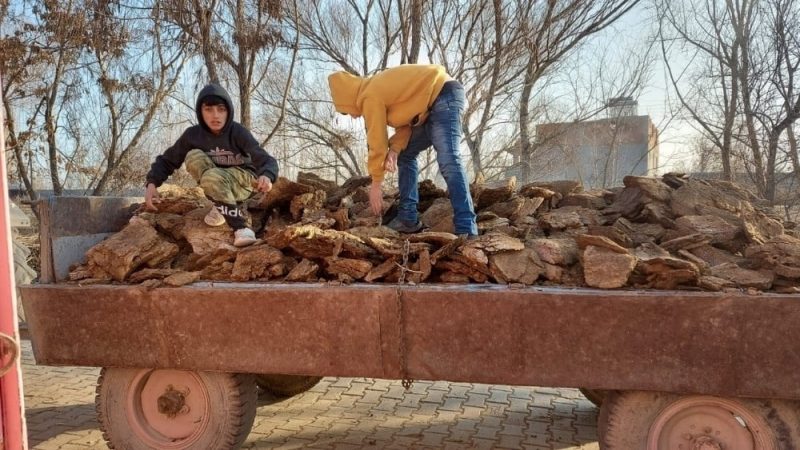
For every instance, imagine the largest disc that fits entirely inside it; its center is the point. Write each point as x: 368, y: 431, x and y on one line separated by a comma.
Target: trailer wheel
x: 661, y: 421
x: 174, y: 409
x: 281, y: 385
x: 595, y: 396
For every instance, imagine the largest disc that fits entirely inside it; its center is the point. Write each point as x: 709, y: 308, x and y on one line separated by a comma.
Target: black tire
x: 204, y: 409
x: 657, y: 421
x: 595, y: 396
x: 279, y: 385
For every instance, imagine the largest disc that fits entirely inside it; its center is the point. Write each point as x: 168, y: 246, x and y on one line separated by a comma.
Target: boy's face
x: 214, y: 116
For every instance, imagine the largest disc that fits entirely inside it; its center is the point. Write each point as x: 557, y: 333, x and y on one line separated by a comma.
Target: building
x: 599, y: 153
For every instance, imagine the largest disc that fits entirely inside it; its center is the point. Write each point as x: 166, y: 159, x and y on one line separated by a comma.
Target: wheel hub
x: 705, y: 443
x: 169, y: 409
x: 173, y: 402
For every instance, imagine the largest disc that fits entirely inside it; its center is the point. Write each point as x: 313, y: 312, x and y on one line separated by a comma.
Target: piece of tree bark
x: 252, y: 262
x: 306, y: 270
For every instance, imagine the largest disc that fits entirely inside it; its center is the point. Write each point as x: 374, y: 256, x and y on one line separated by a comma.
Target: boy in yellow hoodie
x: 424, y: 106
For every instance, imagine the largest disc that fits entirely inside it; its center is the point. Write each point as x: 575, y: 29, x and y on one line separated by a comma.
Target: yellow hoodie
x: 399, y: 97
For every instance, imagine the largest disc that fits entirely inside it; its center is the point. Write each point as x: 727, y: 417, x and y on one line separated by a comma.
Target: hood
x: 345, y: 88
x: 213, y: 89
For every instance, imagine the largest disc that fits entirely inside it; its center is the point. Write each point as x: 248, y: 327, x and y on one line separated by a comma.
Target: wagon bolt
x: 172, y: 402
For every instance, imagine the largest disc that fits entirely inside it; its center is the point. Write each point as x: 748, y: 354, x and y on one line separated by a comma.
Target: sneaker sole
x: 214, y: 224
x: 244, y: 242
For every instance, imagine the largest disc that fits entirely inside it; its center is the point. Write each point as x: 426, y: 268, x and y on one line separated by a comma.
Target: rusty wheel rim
x: 709, y: 423
x: 168, y: 409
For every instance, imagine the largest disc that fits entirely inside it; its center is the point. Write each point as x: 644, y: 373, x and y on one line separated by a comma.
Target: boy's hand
x: 151, y: 197
x: 263, y: 184
x: 390, y: 163
x: 376, y: 198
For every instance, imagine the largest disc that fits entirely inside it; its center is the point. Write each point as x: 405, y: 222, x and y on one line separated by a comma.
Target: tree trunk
x: 416, y: 31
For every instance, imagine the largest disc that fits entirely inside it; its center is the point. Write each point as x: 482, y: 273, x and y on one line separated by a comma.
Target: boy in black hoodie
x: 223, y: 157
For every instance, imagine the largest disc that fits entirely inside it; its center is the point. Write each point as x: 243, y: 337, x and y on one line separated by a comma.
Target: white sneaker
x: 214, y: 218
x: 244, y: 237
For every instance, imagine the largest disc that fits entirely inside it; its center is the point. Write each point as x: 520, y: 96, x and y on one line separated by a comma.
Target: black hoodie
x: 234, y: 146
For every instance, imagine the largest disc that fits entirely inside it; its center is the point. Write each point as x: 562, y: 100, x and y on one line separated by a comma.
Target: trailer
x: 680, y: 369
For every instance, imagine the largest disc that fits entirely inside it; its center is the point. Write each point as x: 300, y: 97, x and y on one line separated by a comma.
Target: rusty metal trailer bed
x: 703, y: 370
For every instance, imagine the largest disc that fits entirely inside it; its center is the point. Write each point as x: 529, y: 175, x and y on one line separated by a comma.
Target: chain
x: 404, y: 265
x: 406, y: 382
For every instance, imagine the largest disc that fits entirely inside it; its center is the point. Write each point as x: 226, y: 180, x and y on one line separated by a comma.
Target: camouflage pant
x: 225, y: 186
x: 228, y: 185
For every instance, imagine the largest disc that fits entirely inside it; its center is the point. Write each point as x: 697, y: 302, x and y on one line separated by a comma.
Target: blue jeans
x: 443, y: 131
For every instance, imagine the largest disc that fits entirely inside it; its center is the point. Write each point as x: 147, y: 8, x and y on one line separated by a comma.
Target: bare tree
x: 240, y: 35
x: 132, y: 93
x: 550, y: 32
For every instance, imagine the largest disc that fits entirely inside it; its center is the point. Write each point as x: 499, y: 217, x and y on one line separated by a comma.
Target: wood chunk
x: 715, y: 228
x: 439, y: 217
x: 422, y: 268
x: 380, y: 232
x: 220, y: 272
x: 135, y: 246
x: 281, y: 194
x: 686, y: 242
x: 151, y: 274
x: 612, y: 233
x: 432, y: 237
x: 349, y: 186
x: 316, y: 182
x: 381, y: 270
x: 699, y: 262
x: 561, y: 187
x: 606, y: 268
x: 712, y: 283
x: 314, y: 243
x: 485, y: 194
x: 463, y: 268
x: 654, y: 188
x: 447, y: 250
x: 584, y: 200
x: 252, y: 262
x: 586, y: 240
x: 303, y: 205
x: 496, y: 242
x: 715, y: 256
x: 553, y: 273
x: 640, y: 233
x: 353, y: 268
x: 509, y: 208
x: 453, y: 277
x: 519, y: 266
x: 559, y: 220
x: 389, y: 248
x: 492, y: 224
x: 744, y: 278
x: 306, y: 270
x: 785, y: 271
x: 83, y: 271
x: 341, y: 218
x: 181, y: 278
x: 783, y: 250
x: 527, y: 209
x: 650, y: 251
x: 561, y: 252
x: 668, y: 272
x: 219, y: 256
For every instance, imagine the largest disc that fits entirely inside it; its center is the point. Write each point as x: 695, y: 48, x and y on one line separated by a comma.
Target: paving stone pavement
x: 344, y: 413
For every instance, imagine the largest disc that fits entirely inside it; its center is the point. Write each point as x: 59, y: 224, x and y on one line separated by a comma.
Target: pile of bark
x: 672, y: 232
